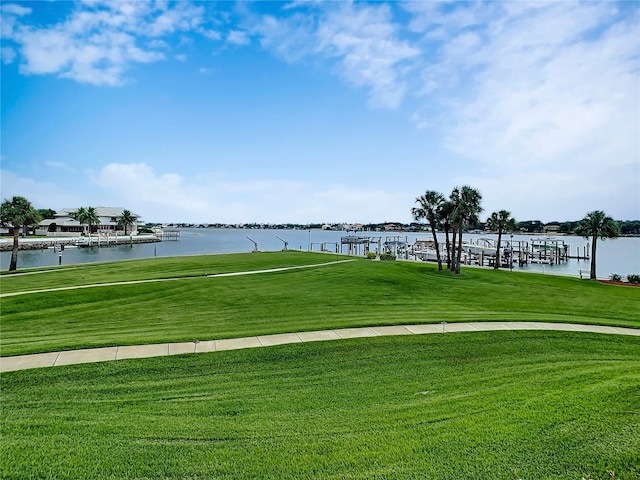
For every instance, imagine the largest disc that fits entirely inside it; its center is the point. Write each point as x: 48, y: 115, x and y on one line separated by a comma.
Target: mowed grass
x: 351, y: 294
x: 493, y: 405
x: 153, y: 268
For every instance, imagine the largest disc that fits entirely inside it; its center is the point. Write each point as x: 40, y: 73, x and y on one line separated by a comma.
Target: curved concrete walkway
x: 170, y: 279
x: 92, y: 355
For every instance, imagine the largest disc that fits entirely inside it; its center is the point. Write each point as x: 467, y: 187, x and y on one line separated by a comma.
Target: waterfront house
x: 64, y: 224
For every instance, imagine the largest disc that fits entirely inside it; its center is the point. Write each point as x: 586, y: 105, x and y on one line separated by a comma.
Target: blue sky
x: 321, y: 111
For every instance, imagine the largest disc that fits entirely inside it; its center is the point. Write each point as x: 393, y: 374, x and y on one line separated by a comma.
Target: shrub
x: 387, y: 256
x: 614, y: 277
x: 371, y: 255
x: 633, y: 278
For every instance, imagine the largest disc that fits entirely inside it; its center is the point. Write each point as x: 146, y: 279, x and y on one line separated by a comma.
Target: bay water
x: 620, y: 255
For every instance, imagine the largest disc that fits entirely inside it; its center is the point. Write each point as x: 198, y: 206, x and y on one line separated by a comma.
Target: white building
x: 64, y: 224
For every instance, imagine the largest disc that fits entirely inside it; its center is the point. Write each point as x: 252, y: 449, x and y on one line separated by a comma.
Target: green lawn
x: 358, y: 293
x: 490, y: 405
x: 493, y: 405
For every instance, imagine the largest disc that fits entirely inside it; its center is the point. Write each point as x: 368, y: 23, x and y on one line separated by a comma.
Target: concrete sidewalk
x: 92, y: 355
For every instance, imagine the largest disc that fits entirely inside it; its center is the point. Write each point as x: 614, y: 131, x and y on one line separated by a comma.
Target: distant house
x: 551, y: 228
x: 63, y: 223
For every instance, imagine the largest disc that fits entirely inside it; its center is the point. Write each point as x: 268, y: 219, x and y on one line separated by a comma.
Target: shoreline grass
x: 354, y: 294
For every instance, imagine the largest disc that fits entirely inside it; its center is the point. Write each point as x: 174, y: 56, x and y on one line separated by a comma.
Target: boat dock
x: 60, y: 243
x: 482, y: 252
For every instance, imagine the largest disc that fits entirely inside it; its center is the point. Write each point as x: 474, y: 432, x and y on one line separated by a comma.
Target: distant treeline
x: 627, y: 227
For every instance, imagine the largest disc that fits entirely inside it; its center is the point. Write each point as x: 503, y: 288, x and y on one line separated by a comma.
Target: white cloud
x: 98, y: 42
x: 237, y: 37
x: 40, y: 194
x: 560, y: 194
x: 175, y: 198
x: 210, y: 34
x: 542, y: 96
x: 361, y: 38
x: 14, y: 9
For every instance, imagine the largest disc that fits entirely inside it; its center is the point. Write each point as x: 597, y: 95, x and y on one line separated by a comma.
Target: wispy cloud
x: 543, y: 96
x: 361, y: 38
x: 546, y: 87
x: 99, y: 41
x: 237, y: 37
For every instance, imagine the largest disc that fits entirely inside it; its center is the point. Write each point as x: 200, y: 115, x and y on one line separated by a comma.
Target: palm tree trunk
x: 459, y: 258
x: 592, y: 275
x: 497, y: 264
x: 446, y: 236
x: 14, y: 251
x: 436, y: 246
x: 452, y: 260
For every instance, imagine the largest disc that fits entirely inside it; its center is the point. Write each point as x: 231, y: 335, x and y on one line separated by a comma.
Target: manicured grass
x: 494, y: 405
x: 358, y: 293
x: 153, y: 268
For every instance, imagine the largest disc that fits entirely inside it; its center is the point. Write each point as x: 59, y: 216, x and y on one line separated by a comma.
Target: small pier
x: 167, y: 234
x: 357, y: 244
x: 330, y: 247
x: 397, y: 245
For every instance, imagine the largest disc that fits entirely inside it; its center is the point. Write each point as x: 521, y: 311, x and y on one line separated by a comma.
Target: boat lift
x: 255, y: 246
x: 286, y: 244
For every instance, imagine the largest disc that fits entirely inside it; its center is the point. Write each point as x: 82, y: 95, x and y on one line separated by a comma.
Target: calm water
x: 621, y: 255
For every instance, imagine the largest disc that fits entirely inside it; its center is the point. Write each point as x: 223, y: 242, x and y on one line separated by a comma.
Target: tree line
x: 626, y: 227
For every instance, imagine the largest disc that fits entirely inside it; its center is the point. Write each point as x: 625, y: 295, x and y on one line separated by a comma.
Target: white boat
x: 429, y: 254
x: 484, y: 246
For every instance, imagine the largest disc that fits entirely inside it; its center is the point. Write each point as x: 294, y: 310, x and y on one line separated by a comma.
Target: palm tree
x: 430, y: 204
x: 17, y: 212
x: 597, y: 224
x: 87, y: 216
x: 80, y: 216
x: 125, y: 219
x: 466, y: 201
x: 500, y: 222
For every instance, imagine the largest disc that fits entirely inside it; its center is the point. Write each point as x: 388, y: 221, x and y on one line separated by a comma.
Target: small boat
x: 484, y: 246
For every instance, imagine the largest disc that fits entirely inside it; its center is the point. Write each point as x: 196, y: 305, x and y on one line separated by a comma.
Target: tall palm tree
x: 466, y: 201
x: 501, y: 221
x: 430, y: 204
x: 87, y: 216
x: 125, y: 219
x: 597, y: 225
x: 17, y: 212
x: 80, y: 216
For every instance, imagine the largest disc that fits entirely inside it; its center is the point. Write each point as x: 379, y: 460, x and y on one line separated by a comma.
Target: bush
x: 614, y: 277
x: 371, y: 255
x: 633, y: 278
x: 390, y: 257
